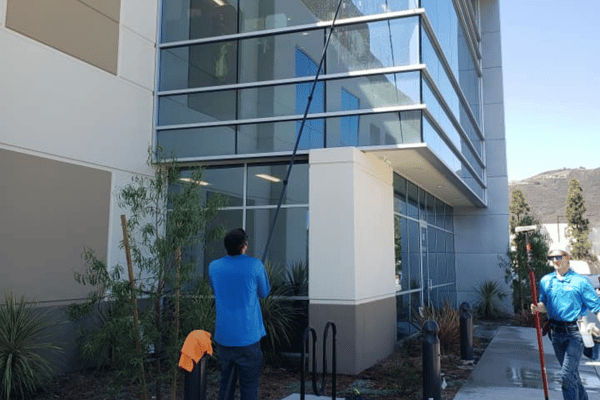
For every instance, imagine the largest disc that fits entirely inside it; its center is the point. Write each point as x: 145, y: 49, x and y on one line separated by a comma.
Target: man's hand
x: 540, y: 307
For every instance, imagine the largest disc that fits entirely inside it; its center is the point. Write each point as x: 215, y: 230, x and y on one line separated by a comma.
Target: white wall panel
x: 58, y: 105
x: 351, y: 227
x: 137, y: 58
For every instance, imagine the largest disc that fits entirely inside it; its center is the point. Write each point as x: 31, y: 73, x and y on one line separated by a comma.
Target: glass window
x: 270, y: 14
x: 277, y: 136
x: 399, y: 194
x: 227, y: 181
x: 201, y: 65
x: 374, y: 45
x: 393, y: 128
x: 290, y: 239
x: 265, y: 182
x: 196, y: 108
x: 439, y: 213
x: 193, y: 19
x: 204, y: 253
x: 274, y: 57
x: 197, y: 142
x: 422, y: 203
x: 349, y: 125
x: 414, y: 258
x: 430, y: 207
x: 374, y: 91
x: 413, y: 201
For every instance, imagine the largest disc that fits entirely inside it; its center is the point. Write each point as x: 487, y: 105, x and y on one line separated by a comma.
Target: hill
x: 546, y: 193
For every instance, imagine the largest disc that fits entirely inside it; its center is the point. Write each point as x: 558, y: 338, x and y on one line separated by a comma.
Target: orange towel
x: 195, y: 346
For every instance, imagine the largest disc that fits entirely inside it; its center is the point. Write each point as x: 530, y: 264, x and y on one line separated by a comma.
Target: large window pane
x: 201, y: 65
x: 278, y: 136
x: 399, y: 194
x: 414, y: 248
x: 227, y: 181
x: 290, y: 238
x: 197, y: 142
x: 265, y: 183
x: 374, y: 91
x: 379, y: 129
x: 196, y: 108
x: 193, y: 19
x: 274, y: 57
x: 204, y: 253
x: 374, y: 45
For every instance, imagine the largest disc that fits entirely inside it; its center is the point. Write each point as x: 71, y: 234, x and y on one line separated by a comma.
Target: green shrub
x: 25, y: 345
x: 490, y: 294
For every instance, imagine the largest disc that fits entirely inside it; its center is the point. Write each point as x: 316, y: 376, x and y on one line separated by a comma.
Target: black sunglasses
x: 557, y: 258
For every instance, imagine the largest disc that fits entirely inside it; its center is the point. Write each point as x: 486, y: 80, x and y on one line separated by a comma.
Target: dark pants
x: 568, y: 347
x: 249, y: 363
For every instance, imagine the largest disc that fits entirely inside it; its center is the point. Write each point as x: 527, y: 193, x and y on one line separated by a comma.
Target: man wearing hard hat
x: 567, y: 296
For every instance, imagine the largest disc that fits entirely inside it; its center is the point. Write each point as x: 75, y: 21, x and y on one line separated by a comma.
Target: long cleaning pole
x: 537, y: 314
x: 289, y: 170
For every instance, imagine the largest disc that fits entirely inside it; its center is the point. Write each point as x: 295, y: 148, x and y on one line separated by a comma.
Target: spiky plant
x: 25, y: 345
x: 490, y: 294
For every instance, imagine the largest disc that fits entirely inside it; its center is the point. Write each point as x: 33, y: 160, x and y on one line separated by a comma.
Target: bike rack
x: 305, y: 346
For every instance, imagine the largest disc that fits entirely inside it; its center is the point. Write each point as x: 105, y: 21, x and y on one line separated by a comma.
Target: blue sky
x: 551, y: 70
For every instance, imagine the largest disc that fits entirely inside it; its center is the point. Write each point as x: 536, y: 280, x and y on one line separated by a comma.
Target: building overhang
x: 419, y: 164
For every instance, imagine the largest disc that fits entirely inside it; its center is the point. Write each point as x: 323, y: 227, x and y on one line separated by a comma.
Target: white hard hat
x: 558, y: 249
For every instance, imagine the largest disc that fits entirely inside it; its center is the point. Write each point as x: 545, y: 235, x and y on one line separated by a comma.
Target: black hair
x: 235, y: 240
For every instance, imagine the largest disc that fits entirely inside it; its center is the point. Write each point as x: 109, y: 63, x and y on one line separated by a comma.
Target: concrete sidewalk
x: 510, y: 369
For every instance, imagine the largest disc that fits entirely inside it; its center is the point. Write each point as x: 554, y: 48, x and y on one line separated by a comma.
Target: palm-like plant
x: 490, y: 293
x: 24, y: 335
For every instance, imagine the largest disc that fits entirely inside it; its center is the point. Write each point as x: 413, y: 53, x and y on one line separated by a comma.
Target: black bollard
x: 432, y: 374
x: 466, y: 332
x: 195, y: 382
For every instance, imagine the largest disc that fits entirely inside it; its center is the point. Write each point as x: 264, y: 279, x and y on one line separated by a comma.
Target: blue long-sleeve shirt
x: 238, y: 283
x: 568, y: 298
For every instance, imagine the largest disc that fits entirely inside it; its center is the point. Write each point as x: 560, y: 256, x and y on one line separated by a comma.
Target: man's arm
x: 264, y: 287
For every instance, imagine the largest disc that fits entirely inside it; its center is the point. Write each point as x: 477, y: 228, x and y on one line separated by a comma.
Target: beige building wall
x: 351, y: 254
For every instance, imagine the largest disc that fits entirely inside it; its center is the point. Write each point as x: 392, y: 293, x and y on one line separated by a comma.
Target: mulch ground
x: 397, y: 377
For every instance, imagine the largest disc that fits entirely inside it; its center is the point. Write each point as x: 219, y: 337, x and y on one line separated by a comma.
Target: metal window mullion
x: 272, y: 206
x: 295, y: 29
x: 470, y: 19
x: 453, y: 148
x: 289, y: 81
x: 452, y: 117
x: 473, y: 16
x: 297, y: 117
x: 156, y: 80
x: 471, y: 43
x: 224, y: 158
x: 450, y: 75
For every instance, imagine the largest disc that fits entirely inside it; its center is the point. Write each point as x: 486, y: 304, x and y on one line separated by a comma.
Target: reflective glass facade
x: 234, y: 77
x: 424, y: 252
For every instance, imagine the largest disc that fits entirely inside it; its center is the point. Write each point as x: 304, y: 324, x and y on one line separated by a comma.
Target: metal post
x: 432, y: 374
x: 466, y: 332
x: 195, y: 382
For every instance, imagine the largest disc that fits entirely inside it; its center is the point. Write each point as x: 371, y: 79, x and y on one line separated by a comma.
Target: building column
x: 351, y: 256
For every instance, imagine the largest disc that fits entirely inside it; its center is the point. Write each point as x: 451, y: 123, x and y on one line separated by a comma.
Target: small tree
x: 578, y: 226
x: 517, y: 268
x: 168, y: 217
x: 518, y: 208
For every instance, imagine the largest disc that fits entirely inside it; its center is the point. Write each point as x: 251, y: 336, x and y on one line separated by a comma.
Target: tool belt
x: 559, y: 326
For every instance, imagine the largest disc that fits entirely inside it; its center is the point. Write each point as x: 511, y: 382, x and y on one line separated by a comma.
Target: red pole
x: 538, y: 328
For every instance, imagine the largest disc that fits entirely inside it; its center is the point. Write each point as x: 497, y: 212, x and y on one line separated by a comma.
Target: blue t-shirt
x: 238, y: 282
x: 568, y: 298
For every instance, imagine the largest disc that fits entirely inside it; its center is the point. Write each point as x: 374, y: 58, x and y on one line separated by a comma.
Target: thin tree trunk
x: 176, y: 318
x: 136, y: 321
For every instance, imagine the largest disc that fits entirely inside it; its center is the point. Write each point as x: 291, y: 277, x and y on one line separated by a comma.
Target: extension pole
x: 537, y: 315
x: 289, y: 170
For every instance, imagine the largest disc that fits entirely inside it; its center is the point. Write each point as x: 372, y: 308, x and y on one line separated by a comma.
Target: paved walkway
x: 510, y: 369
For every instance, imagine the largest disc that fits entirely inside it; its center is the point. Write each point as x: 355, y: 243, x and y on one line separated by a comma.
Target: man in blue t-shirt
x: 238, y: 282
x: 566, y: 296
